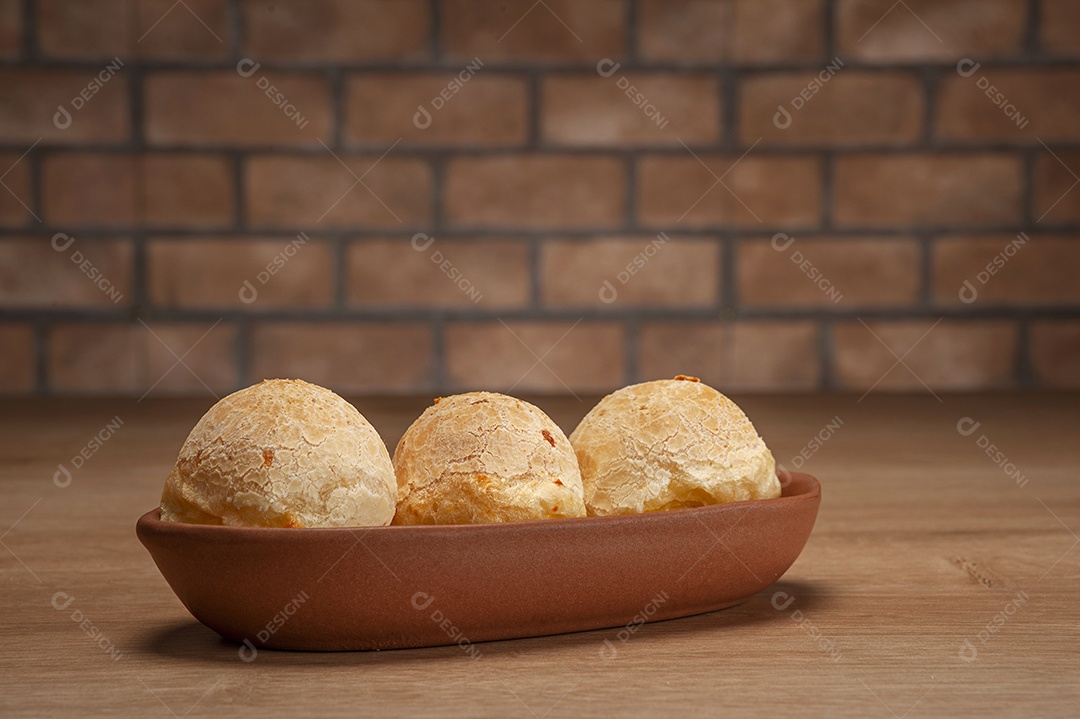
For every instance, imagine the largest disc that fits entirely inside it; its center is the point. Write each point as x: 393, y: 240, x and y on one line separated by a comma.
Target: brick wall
x: 562, y: 196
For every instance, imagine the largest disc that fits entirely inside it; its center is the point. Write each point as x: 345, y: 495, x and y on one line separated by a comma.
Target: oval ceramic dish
x: 418, y: 586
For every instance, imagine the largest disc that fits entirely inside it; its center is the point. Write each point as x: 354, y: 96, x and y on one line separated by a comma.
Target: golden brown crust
x: 670, y: 444
x: 282, y: 453
x: 485, y: 457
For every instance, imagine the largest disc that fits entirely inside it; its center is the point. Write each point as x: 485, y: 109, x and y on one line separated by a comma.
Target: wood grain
x: 922, y: 541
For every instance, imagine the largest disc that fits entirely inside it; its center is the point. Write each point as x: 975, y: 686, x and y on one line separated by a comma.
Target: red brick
x: 1037, y: 269
x: 950, y: 189
x: 446, y: 273
x: 83, y: 188
x: 756, y: 190
x: 187, y: 190
x: 658, y: 272
x: 954, y: 355
x: 486, y: 110
x: 1059, y: 21
x: 749, y: 31
x: 194, y: 30
x: 352, y: 357
x: 525, y: 30
x: 851, y: 108
x: 630, y: 109
x: 209, y: 358
x: 224, y: 108
x: 33, y: 273
x: 95, y: 358
x: 15, y: 197
x: 96, y: 29
x: 1020, y: 109
x: 745, y: 355
x: 162, y: 29
x: 1056, y: 199
x: 1055, y: 352
x: 929, y: 30
x: 204, y: 273
x: 587, y: 357
x: 535, y: 191
x: 340, y: 30
x: 172, y: 189
x: 849, y: 272
x: 132, y: 358
x: 10, y: 27
x: 18, y: 361
x: 30, y: 97
x: 309, y: 191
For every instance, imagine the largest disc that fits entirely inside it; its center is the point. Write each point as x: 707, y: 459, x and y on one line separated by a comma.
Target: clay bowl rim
x: 151, y: 521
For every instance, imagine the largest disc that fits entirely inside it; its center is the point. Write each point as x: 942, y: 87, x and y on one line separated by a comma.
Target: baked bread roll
x: 670, y: 444
x: 484, y: 457
x: 282, y: 453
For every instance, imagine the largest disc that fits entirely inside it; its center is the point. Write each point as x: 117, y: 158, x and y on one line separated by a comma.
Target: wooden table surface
x: 940, y: 580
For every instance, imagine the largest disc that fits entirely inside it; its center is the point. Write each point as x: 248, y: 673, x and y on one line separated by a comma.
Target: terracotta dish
x: 418, y: 586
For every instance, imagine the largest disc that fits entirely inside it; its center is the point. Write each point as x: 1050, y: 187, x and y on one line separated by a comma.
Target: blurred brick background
x: 827, y: 175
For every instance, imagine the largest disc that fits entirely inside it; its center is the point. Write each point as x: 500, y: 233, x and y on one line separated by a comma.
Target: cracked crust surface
x: 670, y: 444
x: 484, y: 457
x: 282, y: 453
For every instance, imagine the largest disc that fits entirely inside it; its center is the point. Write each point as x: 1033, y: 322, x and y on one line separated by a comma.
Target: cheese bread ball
x: 670, y: 444
x: 484, y: 457
x: 282, y: 453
